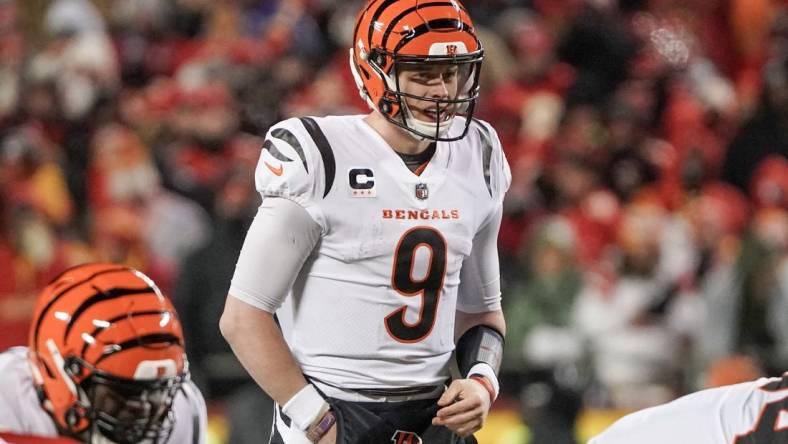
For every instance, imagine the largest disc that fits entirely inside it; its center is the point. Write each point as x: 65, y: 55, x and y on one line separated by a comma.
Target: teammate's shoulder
x: 312, y: 126
x: 13, y: 363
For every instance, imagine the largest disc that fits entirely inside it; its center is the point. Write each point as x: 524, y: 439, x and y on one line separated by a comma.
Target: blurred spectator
x: 157, y: 227
x: 764, y: 133
x: 630, y: 319
x: 199, y: 296
x: 542, y: 351
x: 12, y: 51
x: 716, y: 218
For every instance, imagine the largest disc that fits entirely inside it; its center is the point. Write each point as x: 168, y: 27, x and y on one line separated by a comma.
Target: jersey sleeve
x: 480, y: 276
x: 291, y: 167
x: 480, y: 283
x: 497, y: 174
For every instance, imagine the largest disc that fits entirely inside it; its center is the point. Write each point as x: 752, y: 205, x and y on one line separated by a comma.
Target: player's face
x: 130, y: 413
x: 438, y: 82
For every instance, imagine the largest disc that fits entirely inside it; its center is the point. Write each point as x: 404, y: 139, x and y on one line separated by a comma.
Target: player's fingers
x: 463, y: 418
x: 449, y: 395
x: 460, y: 407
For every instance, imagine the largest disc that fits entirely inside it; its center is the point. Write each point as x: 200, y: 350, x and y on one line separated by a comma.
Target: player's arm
x: 279, y: 240
x: 479, y: 332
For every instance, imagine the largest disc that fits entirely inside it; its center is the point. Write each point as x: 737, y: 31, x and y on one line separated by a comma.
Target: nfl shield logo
x: 421, y: 191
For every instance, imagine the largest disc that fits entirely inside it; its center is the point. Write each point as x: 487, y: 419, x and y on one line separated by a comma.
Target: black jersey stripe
x: 487, y: 145
x: 101, y: 296
x: 268, y: 145
x: 290, y: 138
x: 140, y: 341
x: 329, y: 163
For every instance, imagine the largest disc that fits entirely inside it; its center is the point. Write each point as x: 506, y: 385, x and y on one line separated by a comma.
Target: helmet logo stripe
x: 142, y: 341
x: 119, y: 318
x: 102, y: 296
x: 441, y: 25
x: 63, y: 292
x: 404, y: 13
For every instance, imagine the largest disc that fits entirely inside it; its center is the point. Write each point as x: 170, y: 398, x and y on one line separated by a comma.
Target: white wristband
x: 486, y: 370
x: 305, y: 407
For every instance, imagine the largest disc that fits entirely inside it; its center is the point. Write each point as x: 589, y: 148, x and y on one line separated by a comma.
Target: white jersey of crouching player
x: 753, y: 412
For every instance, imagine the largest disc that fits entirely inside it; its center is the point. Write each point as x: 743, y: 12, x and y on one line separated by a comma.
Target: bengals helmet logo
x: 401, y: 437
x: 451, y: 50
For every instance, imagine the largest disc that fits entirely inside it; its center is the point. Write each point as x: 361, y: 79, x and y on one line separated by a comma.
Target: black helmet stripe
x: 71, y: 287
x: 358, y: 22
x: 119, y: 318
x: 437, y: 25
x: 102, y: 296
x: 141, y: 341
x: 375, y: 16
x: 404, y: 13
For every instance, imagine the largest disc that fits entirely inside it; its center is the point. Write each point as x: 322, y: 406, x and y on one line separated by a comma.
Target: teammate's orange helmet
x: 393, y: 35
x: 107, y: 354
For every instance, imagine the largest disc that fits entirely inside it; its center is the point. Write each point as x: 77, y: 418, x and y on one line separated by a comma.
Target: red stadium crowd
x: 645, y: 237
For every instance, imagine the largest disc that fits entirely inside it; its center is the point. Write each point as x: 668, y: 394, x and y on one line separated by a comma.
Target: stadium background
x: 645, y: 241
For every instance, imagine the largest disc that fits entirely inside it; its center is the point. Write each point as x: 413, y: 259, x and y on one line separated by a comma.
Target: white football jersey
x: 749, y: 413
x: 21, y: 412
x: 374, y: 304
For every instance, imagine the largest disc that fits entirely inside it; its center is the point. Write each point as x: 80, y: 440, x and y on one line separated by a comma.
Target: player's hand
x: 464, y: 407
x: 330, y: 437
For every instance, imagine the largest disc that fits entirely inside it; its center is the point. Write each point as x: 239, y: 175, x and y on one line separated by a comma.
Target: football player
x: 383, y: 229
x: 748, y: 413
x: 105, y: 363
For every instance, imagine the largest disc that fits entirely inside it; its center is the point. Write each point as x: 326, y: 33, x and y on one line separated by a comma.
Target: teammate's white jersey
x: 21, y: 411
x: 374, y: 304
x: 750, y: 413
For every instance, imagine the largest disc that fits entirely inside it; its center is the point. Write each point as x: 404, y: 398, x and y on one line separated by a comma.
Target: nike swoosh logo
x: 276, y: 171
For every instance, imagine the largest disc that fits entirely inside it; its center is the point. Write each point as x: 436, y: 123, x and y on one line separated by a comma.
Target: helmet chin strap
x: 422, y: 126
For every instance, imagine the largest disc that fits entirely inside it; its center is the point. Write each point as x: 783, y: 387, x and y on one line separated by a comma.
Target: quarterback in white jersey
x: 382, y: 229
x: 748, y: 413
x: 105, y: 364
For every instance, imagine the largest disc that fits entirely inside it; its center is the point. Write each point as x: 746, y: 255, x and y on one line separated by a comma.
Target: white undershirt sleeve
x: 480, y: 276
x: 279, y: 240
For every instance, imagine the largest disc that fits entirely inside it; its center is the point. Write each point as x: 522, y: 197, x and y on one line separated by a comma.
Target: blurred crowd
x: 645, y: 238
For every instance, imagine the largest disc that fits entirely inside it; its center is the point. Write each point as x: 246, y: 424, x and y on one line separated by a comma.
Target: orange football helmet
x: 107, y: 354
x: 395, y: 35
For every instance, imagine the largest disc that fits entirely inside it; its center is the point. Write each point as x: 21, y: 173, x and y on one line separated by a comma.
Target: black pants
x: 407, y: 422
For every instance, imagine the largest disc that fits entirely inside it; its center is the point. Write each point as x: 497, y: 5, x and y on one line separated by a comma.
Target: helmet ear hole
x: 379, y: 59
x: 74, y: 415
x: 384, y: 106
x: 73, y: 366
